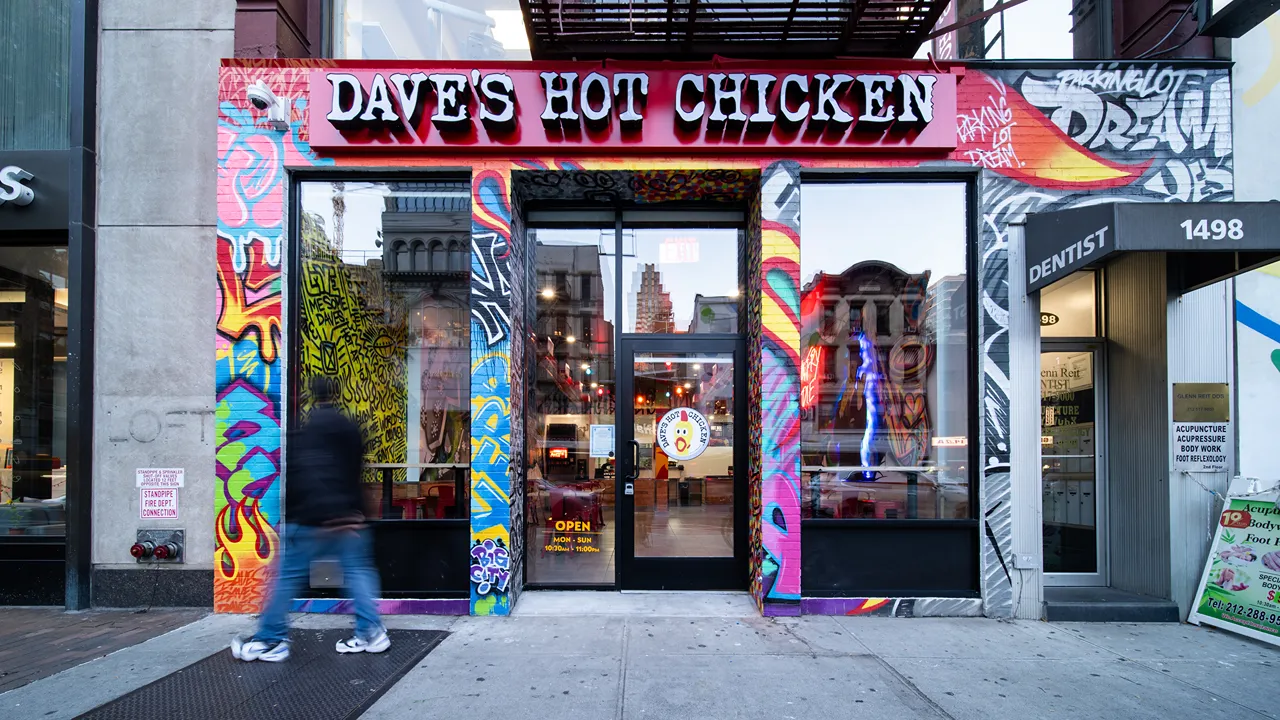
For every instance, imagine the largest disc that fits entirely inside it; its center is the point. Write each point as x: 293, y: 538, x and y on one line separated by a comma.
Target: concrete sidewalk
x: 675, y: 656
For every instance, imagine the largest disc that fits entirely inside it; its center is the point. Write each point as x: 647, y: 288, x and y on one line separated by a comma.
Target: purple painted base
x: 791, y: 609
x: 426, y: 606
x: 893, y: 607
x: 846, y: 606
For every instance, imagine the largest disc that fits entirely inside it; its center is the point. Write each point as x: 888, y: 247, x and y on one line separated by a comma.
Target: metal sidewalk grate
x: 315, y: 683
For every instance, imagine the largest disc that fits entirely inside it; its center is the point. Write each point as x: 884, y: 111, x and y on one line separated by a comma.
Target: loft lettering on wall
x: 534, y: 106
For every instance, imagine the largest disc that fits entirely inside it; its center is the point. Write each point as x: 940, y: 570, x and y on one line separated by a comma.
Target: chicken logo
x: 683, y: 434
x: 683, y: 430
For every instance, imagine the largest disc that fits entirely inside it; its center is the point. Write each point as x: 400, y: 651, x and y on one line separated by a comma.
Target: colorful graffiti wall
x: 1044, y: 139
x: 250, y: 247
x: 491, y: 397
x: 776, y: 571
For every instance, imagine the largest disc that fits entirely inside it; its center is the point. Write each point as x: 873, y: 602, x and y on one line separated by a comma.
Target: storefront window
x: 394, y: 332
x: 885, y: 350
x: 569, y: 488
x: 33, y: 390
x: 680, y: 280
x: 429, y: 30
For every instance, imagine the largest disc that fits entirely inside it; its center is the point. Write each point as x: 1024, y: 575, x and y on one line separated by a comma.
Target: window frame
x: 969, y: 179
x: 291, y: 314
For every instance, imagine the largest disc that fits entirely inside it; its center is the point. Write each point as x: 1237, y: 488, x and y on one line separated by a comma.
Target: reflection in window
x: 394, y: 337
x: 884, y: 351
x: 680, y: 280
x: 1068, y: 448
x: 457, y: 256
x: 420, y: 262
x: 429, y: 30
x: 438, y: 261
x: 33, y: 390
x: 1068, y: 308
x: 569, y: 496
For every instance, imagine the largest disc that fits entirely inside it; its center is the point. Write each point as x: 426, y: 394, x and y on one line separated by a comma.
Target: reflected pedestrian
x: 324, y: 516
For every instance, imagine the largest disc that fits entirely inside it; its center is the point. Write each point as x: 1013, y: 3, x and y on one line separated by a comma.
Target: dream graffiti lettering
x: 994, y: 120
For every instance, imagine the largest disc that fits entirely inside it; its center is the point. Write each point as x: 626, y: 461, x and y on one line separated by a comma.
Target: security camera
x: 263, y: 98
x: 260, y: 95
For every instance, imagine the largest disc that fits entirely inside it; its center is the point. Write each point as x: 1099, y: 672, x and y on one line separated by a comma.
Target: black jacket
x: 326, y: 459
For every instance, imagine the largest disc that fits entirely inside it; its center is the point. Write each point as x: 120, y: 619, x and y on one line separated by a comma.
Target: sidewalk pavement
x: 710, y: 656
x: 39, y: 642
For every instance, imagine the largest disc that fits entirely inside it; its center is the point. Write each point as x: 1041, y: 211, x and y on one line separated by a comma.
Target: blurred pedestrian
x: 324, y: 516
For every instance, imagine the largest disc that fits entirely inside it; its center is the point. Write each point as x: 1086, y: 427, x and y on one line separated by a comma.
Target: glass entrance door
x: 683, y: 504
x: 1073, y: 470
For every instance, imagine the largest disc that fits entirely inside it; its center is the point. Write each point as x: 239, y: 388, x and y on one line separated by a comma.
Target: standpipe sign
x: 743, y: 106
x: 683, y: 434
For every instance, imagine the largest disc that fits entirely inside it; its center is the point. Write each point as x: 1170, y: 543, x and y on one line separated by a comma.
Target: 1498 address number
x: 1214, y: 230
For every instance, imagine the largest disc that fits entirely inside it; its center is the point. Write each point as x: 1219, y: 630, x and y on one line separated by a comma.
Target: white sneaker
x: 355, y: 644
x: 252, y: 649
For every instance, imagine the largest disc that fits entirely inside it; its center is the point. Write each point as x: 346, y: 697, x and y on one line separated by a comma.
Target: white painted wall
x: 1255, y: 84
x: 1024, y: 436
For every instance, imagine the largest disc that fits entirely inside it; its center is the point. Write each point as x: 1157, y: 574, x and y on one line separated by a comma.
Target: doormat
x: 315, y: 683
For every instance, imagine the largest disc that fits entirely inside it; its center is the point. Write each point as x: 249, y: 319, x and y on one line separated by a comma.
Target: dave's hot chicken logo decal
x: 683, y: 434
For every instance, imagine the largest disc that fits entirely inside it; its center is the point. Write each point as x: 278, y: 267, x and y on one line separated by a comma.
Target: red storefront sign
x: 823, y: 108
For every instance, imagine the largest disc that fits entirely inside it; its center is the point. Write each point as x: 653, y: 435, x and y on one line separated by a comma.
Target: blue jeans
x: 304, y: 543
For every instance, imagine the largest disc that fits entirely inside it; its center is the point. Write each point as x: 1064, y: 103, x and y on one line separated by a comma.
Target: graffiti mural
x: 893, y: 607
x: 749, y: 259
x: 491, y: 391
x: 1045, y: 139
x: 1057, y: 139
x: 779, y: 314
x: 520, y: 324
x: 249, y: 370
x: 347, y: 333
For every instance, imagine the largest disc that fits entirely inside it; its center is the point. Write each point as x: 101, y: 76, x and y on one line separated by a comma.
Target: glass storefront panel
x: 1068, y: 440
x: 1069, y: 307
x: 385, y: 293
x: 680, y: 280
x: 428, y: 30
x: 684, y: 479
x: 569, y: 496
x: 33, y: 390
x: 884, y: 347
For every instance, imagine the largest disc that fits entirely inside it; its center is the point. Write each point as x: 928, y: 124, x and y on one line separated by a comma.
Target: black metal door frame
x: 679, y: 573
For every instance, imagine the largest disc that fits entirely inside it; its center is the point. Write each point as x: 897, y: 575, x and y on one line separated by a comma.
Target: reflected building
x: 653, y: 309
x: 426, y: 236
x: 571, y: 331
x: 865, y: 367
x: 714, y: 314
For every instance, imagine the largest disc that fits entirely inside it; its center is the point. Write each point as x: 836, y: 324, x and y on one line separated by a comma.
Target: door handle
x: 635, y: 461
x: 629, y: 482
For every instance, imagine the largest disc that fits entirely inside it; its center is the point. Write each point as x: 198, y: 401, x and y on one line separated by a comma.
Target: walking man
x: 324, y: 516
